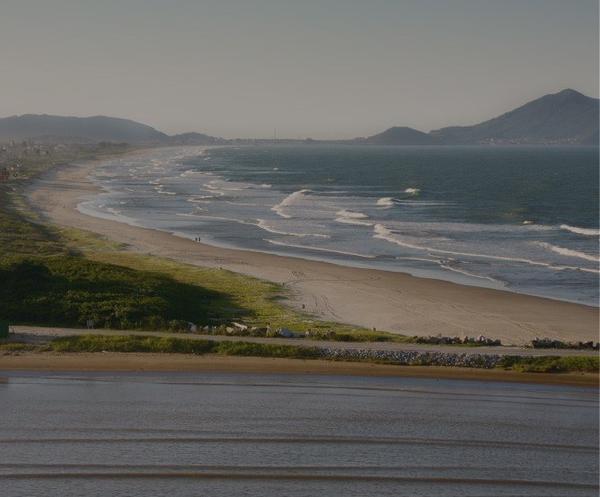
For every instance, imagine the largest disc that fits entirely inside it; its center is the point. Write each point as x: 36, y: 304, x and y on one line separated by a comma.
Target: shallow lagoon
x: 151, y: 434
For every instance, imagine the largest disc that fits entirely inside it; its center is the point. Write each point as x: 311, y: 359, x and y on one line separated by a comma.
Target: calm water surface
x: 180, y: 435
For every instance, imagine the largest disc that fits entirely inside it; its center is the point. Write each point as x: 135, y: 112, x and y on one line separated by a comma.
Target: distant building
x: 4, y: 175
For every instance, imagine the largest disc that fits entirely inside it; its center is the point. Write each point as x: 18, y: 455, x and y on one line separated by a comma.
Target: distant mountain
x: 77, y: 129
x: 400, y: 135
x: 195, y: 139
x: 567, y: 117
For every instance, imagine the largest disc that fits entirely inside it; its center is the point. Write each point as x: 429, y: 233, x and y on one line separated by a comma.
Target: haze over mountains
x: 45, y: 128
x: 567, y: 117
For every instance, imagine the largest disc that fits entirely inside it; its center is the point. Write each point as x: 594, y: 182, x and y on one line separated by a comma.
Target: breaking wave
x: 320, y: 249
x: 568, y: 252
x: 383, y: 233
x: 288, y: 201
x: 350, y: 217
x: 162, y: 191
x: 386, y: 202
x: 580, y: 231
x: 450, y: 267
x: 262, y: 224
x: 200, y: 199
x: 412, y: 191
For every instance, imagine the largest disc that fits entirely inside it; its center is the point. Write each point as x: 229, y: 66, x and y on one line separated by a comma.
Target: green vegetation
x: 68, y: 290
x: 17, y: 347
x: 266, y: 350
x: 551, y: 364
x: 65, y: 277
x: 99, y: 343
x: 254, y: 302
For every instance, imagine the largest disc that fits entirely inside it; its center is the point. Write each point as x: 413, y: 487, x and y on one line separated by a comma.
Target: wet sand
x: 384, y: 300
x: 138, y: 362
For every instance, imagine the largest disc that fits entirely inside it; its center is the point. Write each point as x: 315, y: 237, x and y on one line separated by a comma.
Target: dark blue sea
x: 523, y: 219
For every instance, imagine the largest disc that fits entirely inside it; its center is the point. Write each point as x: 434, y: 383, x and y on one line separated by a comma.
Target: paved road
x: 37, y: 333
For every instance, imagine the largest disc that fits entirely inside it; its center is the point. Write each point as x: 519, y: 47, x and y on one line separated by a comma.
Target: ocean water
x: 524, y: 219
x: 151, y: 435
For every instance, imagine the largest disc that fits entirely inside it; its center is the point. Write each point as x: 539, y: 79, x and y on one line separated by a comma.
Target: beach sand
x: 384, y: 300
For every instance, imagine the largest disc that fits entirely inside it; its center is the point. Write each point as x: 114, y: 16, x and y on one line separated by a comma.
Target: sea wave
x: 412, y: 191
x: 351, y: 217
x: 288, y: 201
x: 420, y: 203
x: 216, y: 218
x: 211, y: 187
x: 383, y: 233
x: 568, y: 252
x: 200, y: 199
x: 319, y: 249
x: 162, y: 191
x: 386, y: 202
x: 580, y: 231
x: 262, y: 224
x: 450, y: 267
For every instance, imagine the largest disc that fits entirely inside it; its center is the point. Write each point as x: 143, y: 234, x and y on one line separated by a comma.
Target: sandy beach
x: 388, y: 301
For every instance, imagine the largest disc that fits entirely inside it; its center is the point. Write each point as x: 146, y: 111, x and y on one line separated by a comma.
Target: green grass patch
x: 17, y: 347
x: 99, y: 343
x: 266, y: 350
x: 250, y: 300
x: 172, y: 345
x: 69, y: 290
x: 551, y: 364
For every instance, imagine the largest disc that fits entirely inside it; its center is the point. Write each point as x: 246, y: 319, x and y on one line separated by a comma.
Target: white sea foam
x: 412, y: 191
x: 386, y: 202
x: 320, y: 249
x: 580, y: 231
x: 216, y: 218
x: 352, y: 214
x: 419, y: 203
x: 262, y: 224
x: 383, y: 233
x: 288, y: 201
x: 162, y: 191
x: 466, y: 273
x: 189, y: 172
x: 216, y: 190
x: 200, y: 199
x: 350, y: 217
x: 568, y: 252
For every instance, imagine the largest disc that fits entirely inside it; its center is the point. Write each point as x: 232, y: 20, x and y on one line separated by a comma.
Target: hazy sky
x: 322, y: 68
